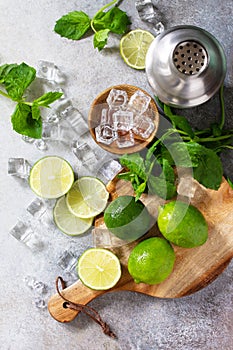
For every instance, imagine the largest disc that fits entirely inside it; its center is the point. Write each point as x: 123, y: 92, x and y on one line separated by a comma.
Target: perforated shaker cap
x: 185, y: 66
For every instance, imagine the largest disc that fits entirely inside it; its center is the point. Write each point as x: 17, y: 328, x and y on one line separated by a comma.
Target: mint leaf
x: 139, y: 190
x: 178, y: 121
x: 24, y: 124
x: 207, y: 166
x: 73, y: 25
x: 135, y: 163
x: 164, y: 184
x: 167, y: 172
x: 35, y: 111
x: 114, y: 19
x: 101, y: 38
x: 181, y: 154
x: 209, y: 171
x: 18, y: 79
x: 48, y: 98
x: 4, y: 70
x: 162, y: 188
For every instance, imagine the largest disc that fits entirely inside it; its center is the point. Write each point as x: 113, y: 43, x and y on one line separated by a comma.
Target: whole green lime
x: 151, y: 261
x: 126, y: 218
x: 182, y: 224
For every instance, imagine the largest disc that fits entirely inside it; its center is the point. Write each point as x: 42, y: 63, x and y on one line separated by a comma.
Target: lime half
x: 51, y: 177
x: 99, y: 269
x: 134, y: 47
x: 67, y: 222
x: 88, y: 197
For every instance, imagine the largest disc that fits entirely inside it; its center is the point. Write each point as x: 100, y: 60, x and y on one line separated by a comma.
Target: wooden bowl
x: 95, y: 114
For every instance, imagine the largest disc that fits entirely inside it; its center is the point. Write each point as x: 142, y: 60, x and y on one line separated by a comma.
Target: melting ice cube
x: 105, y: 133
x: 125, y: 139
x: 143, y: 126
x: 123, y: 120
x: 139, y: 102
x: 19, y: 167
x: 117, y: 98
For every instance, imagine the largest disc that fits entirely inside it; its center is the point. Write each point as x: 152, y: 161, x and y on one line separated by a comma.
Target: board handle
x: 78, y: 294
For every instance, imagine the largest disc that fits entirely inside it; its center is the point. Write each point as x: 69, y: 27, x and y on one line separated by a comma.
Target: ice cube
x: 50, y: 131
x: 109, y: 170
x: 40, y: 210
x: 123, y: 120
x: 49, y: 71
x: 147, y: 11
x: 67, y: 261
x: 41, y: 145
x: 37, y: 208
x: 19, y: 167
x: 143, y: 126
x: 84, y: 153
x: 76, y: 121
x: 186, y: 186
x: 25, y: 234
x: 67, y: 134
x: 125, y: 138
x: 117, y: 98
x: 104, y: 116
x: 105, y: 133
x: 27, y: 139
x: 139, y: 102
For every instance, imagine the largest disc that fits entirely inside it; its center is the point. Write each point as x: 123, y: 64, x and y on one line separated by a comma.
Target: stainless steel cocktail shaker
x: 185, y: 66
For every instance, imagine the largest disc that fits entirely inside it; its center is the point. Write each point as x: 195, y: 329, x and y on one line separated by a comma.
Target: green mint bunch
x: 75, y: 24
x: 26, y: 118
x: 179, y: 146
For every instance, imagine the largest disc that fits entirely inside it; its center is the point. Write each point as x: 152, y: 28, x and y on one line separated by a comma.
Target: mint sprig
x: 26, y: 118
x: 76, y: 24
x: 179, y: 146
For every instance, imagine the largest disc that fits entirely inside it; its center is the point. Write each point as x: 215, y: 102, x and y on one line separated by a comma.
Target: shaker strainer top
x: 190, y: 57
x: 185, y: 66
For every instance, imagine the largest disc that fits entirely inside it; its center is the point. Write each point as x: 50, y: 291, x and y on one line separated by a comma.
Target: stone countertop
x: 203, y: 320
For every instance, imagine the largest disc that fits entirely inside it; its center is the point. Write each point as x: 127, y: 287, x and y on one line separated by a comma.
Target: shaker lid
x: 185, y: 66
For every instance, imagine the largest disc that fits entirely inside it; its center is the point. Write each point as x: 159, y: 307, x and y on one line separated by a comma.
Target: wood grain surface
x: 194, y: 268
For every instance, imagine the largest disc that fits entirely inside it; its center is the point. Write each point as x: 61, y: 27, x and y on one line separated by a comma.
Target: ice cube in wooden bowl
x: 100, y: 103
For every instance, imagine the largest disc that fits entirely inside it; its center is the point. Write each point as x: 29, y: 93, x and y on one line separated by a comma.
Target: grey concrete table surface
x: 201, y: 321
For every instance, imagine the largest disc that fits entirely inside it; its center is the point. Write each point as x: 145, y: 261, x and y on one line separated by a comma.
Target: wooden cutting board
x: 194, y: 268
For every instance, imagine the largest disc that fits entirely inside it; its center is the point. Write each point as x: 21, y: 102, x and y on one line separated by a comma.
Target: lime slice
x: 99, y: 269
x: 51, y: 177
x: 88, y: 197
x: 67, y: 222
x: 134, y: 47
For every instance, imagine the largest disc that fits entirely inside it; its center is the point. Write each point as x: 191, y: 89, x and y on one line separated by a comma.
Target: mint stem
x: 213, y: 139
x: 222, y: 108
x: 102, y: 9
x: 4, y: 94
x: 153, y: 147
